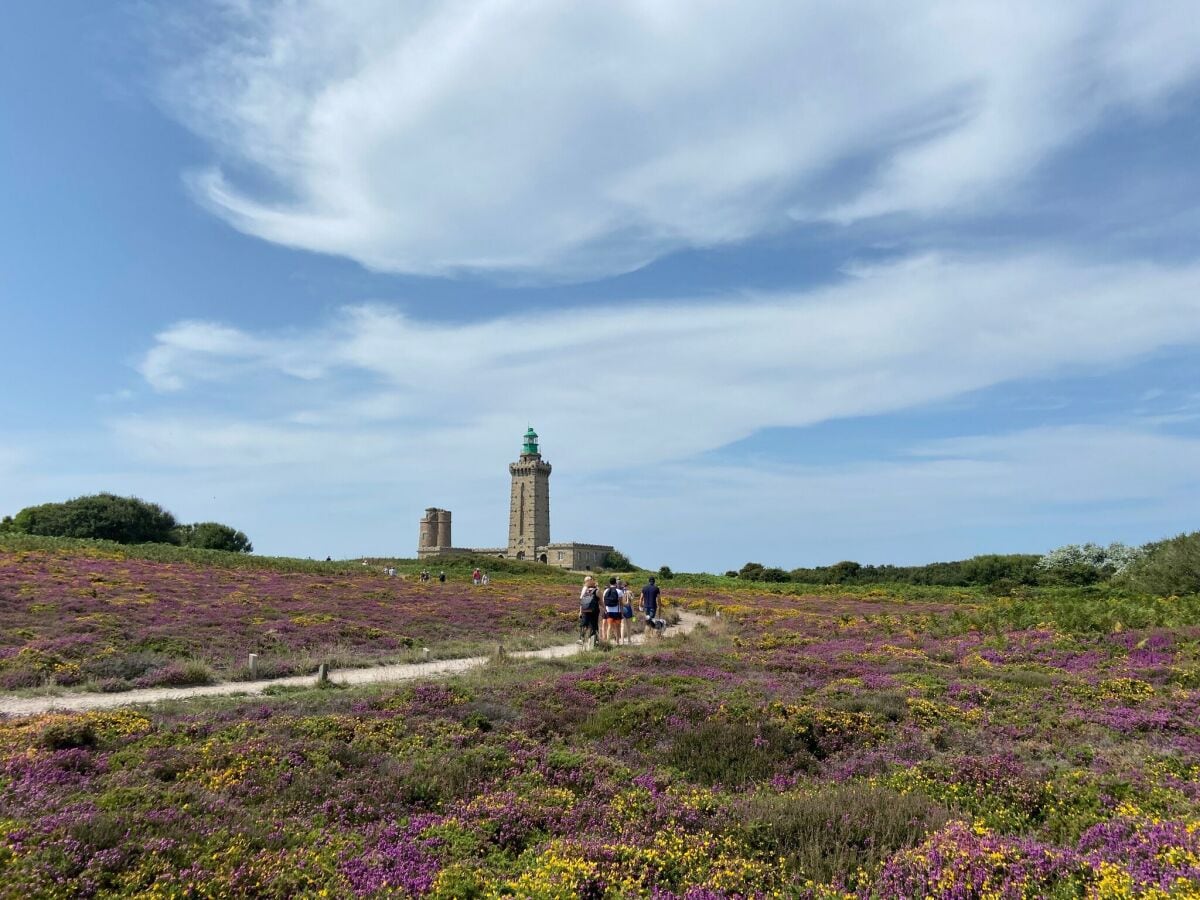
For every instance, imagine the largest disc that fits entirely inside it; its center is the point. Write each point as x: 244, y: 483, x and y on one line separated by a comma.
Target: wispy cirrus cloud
x: 578, y: 140
x: 703, y: 374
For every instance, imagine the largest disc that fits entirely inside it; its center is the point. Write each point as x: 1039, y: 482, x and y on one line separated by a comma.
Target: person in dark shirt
x: 650, y: 595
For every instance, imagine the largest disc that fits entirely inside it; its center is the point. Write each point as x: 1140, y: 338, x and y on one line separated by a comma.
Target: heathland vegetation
x: 833, y: 741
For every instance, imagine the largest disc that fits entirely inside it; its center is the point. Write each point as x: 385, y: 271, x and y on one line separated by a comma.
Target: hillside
x: 883, y: 743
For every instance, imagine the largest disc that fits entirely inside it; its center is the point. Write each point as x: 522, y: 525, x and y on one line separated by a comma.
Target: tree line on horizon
x: 125, y: 520
x: 1166, y: 567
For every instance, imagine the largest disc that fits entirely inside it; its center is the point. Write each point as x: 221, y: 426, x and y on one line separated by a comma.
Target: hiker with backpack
x: 612, y: 612
x: 589, y: 611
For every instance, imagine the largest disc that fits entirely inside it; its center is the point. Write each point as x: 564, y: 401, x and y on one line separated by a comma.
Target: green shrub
x: 213, y: 536
x: 126, y: 520
x: 67, y: 733
x: 628, y: 717
x: 617, y: 561
x: 735, y: 753
x: 839, y: 829
x: 1169, y: 567
x: 440, y: 778
x: 751, y: 571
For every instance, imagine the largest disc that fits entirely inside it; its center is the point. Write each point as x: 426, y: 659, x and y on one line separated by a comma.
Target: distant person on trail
x: 483, y: 579
x: 442, y: 577
x: 476, y: 577
x: 650, y: 597
x: 626, y: 613
x: 612, y: 612
x: 589, y: 611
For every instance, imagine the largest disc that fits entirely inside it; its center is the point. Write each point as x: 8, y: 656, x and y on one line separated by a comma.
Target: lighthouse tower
x: 529, y: 503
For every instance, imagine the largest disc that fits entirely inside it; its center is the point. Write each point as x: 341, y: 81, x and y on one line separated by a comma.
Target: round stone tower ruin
x: 435, y: 531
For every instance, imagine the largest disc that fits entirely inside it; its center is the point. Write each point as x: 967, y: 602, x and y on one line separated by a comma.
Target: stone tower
x: 529, y: 503
x: 435, y: 530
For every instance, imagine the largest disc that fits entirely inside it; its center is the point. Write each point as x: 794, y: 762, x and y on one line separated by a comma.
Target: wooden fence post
x: 254, y: 667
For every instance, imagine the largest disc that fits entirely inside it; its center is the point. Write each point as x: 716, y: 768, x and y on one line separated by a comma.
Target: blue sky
x: 779, y: 282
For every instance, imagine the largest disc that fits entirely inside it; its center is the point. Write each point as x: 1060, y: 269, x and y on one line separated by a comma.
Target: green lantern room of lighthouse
x: 530, y: 447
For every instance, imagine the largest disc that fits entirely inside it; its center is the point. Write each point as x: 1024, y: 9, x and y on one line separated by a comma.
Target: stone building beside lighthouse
x: 528, y: 521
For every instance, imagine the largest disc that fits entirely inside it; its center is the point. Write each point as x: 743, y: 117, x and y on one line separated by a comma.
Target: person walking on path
x: 589, y: 612
x: 442, y: 577
x: 650, y: 598
x: 626, y: 613
x: 476, y: 576
x: 612, y: 612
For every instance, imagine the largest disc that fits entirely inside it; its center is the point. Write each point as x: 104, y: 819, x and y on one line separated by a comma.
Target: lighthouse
x: 529, y: 501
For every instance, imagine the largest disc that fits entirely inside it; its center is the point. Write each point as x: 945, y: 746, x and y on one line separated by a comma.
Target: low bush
x: 642, y: 718
x: 177, y: 674
x: 122, y: 666
x: 886, y: 705
x: 20, y: 679
x: 838, y: 830
x: 734, y: 753
x: 67, y: 733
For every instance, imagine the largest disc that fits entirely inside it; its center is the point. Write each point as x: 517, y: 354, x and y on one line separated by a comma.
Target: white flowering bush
x: 1086, y: 563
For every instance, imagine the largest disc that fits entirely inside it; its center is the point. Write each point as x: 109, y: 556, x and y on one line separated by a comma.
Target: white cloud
x: 572, y: 140
x: 698, y: 376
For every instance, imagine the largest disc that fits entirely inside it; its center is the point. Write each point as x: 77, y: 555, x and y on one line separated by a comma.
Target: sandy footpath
x: 23, y: 706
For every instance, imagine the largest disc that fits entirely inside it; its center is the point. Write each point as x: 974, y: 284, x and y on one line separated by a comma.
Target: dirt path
x: 24, y: 706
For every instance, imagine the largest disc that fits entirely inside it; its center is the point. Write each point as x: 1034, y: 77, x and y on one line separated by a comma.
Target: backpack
x: 612, y: 599
x: 589, y: 602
